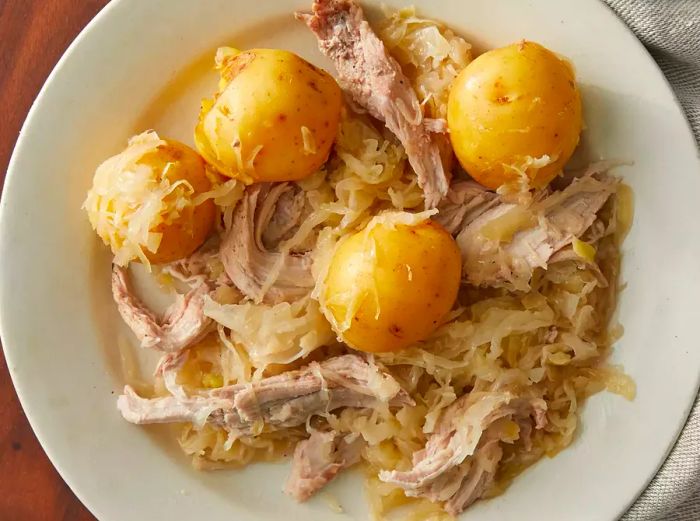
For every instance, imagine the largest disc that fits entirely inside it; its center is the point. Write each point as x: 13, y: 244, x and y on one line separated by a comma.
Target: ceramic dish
x: 146, y: 65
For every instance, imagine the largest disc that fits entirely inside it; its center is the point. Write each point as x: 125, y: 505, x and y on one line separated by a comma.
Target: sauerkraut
x: 132, y: 199
x: 550, y: 342
x: 278, y: 334
x: 129, y: 200
x: 430, y: 54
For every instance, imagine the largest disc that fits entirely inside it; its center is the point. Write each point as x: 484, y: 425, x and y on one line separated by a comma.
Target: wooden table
x: 33, y: 35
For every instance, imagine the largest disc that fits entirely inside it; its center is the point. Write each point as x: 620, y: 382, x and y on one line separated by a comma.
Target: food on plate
x: 348, y: 294
x: 471, y: 430
x: 514, y: 116
x: 182, y: 324
x: 391, y: 284
x: 277, y: 402
x: 318, y: 459
x: 502, y: 243
x: 274, y: 117
x: 266, y: 213
x: 376, y: 82
x: 145, y: 202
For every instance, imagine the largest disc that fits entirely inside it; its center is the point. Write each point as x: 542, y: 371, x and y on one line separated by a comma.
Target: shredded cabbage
x: 129, y: 199
x: 551, y: 342
x: 429, y: 53
x: 277, y: 334
x: 308, y: 140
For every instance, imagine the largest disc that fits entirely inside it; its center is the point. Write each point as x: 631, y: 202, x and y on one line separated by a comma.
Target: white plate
x: 146, y: 64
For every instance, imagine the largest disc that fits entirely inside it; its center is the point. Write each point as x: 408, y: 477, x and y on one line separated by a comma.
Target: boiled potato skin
x: 415, y: 271
x: 510, y: 106
x: 184, y: 235
x: 267, y: 96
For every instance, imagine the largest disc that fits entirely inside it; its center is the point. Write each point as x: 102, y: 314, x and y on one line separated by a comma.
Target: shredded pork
x: 199, y: 264
x: 459, y: 460
x: 318, y: 460
x: 277, y: 402
x: 442, y: 417
x: 376, y: 82
x: 259, y: 273
x: 167, y: 369
x: 555, y: 220
x: 465, y: 201
x: 182, y: 324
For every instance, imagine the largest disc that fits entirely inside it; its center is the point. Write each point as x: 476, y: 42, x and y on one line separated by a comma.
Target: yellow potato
x: 274, y: 119
x: 391, y: 286
x: 514, y: 111
x: 186, y: 233
x: 148, y: 202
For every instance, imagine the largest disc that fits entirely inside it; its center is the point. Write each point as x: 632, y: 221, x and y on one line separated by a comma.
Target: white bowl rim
x: 12, y: 174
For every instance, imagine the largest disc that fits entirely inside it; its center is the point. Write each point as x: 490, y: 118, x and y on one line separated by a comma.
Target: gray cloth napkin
x: 670, y: 30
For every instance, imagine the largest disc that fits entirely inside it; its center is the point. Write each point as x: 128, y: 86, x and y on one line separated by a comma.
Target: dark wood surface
x: 33, y: 36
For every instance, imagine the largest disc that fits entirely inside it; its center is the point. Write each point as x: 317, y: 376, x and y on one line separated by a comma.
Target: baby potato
x: 515, y: 112
x: 186, y: 233
x: 274, y: 118
x: 147, y: 202
x: 390, y: 285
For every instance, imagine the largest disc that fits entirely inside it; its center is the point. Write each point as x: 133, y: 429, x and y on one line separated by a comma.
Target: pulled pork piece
x: 376, y: 82
x: 478, y: 478
x: 169, y: 409
x: 278, y: 402
x: 568, y: 254
x: 539, y: 230
x: 465, y: 201
x: 459, y: 460
x: 182, y: 324
x: 167, y: 369
x: 256, y: 271
x: 286, y: 213
x: 200, y: 264
x: 318, y: 460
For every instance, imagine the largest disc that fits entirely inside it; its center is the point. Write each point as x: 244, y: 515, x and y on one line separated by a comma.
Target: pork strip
x: 278, y: 402
x: 456, y: 464
x: 559, y: 218
x: 318, y: 460
x: 376, y: 82
x: 182, y: 324
x: 257, y: 272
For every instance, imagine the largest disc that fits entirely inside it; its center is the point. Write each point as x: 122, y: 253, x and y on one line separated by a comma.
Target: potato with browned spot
x: 182, y: 235
x: 150, y: 203
x: 274, y: 118
x: 514, y: 116
x: 391, y: 284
